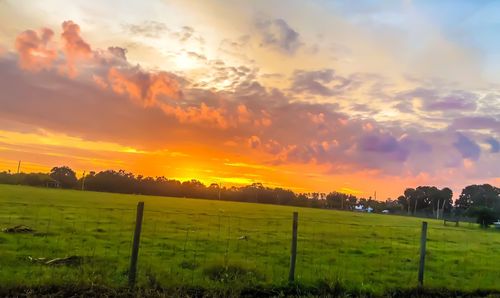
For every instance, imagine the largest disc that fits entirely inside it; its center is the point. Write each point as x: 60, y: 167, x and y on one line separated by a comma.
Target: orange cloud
x: 254, y: 142
x: 265, y: 121
x: 243, y: 114
x: 144, y: 87
x: 34, y: 49
x: 202, y: 114
x: 75, y: 47
x: 100, y: 81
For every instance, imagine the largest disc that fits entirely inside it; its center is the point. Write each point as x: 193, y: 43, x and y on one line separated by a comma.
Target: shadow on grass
x: 291, y: 290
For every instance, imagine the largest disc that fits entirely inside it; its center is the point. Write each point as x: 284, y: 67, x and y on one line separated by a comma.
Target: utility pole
x: 442, y: 209
x: 83, y: 181
x: 437, y: 209
x: 18, y: 171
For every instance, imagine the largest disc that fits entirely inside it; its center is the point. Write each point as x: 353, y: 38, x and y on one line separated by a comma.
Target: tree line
x: 482, y: 201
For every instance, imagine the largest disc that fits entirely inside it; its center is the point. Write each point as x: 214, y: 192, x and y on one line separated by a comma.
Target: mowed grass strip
x: 214, y: 244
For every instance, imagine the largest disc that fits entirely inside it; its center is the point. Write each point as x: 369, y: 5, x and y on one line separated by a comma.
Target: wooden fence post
x: 423, y: 242
x: 135, y: 246
x: 293, y: 252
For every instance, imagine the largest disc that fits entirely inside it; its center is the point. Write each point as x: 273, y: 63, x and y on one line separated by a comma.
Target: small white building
x: 361, y: 208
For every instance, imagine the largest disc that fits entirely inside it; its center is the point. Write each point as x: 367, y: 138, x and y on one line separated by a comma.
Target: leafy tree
x: 338, y: 200
x: 411, y: 200
x: 428, y: 199
x: 403, y: 202
x: 65, y: 176
x: 446, y: 196
x: 479, y: 195
x: 485, y: 216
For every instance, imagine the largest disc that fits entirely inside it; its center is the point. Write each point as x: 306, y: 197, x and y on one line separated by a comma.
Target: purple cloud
x: 434, y: 100
x: 383, y: 144
x: 476, y: 122
x: 449, y: 103
x: 378, y: 143
x: 319, y: 82
x: 494, y: 145
x: 467, y: 147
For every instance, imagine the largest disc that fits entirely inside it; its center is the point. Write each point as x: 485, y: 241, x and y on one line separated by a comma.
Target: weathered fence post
x: 135, y: 246
x: 423, y: 242
x: 293, y: 252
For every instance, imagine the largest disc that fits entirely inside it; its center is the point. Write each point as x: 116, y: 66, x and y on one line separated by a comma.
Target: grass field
x: 213, y: 244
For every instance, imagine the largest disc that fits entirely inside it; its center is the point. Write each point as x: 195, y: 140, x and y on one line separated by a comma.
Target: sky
x: 352, y: 96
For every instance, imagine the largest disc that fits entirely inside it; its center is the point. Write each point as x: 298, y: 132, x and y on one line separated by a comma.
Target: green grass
x: 227, y: 245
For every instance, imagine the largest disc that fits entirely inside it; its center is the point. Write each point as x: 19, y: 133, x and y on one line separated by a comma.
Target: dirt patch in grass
x: 67, y: 261
x: 19, y: 229
x: 231, y: 272
x: 188, y: 265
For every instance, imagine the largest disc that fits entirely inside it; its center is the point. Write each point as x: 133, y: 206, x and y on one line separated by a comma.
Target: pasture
x: 215, y: 244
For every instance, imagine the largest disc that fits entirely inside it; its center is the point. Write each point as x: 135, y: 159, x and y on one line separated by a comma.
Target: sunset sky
x: 353, y: 96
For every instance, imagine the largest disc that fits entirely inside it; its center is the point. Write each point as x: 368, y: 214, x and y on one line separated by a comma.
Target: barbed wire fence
x: 93, y: 245
x: 200, y: 249
x: 69, y: 244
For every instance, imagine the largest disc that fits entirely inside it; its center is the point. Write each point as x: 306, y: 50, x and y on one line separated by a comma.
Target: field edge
x: 291, y: 290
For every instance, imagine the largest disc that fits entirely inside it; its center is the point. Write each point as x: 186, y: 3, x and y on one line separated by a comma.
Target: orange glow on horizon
x: 52, y: 149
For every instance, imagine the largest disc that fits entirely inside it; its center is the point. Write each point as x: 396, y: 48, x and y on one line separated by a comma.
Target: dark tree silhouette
x: 426, y: 200
x: 479, y: 196
x: 485, y: 216
x: 65, y: 176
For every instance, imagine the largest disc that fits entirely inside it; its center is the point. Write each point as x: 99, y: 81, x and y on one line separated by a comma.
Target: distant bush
x: 484, y: 216
x: 8, y: 178
x: 36, y: 179
x: 31, y: 179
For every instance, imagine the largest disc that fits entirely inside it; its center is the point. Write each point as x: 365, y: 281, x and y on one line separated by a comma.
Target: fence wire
x: 51, y: 244
x: 198, y: 249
